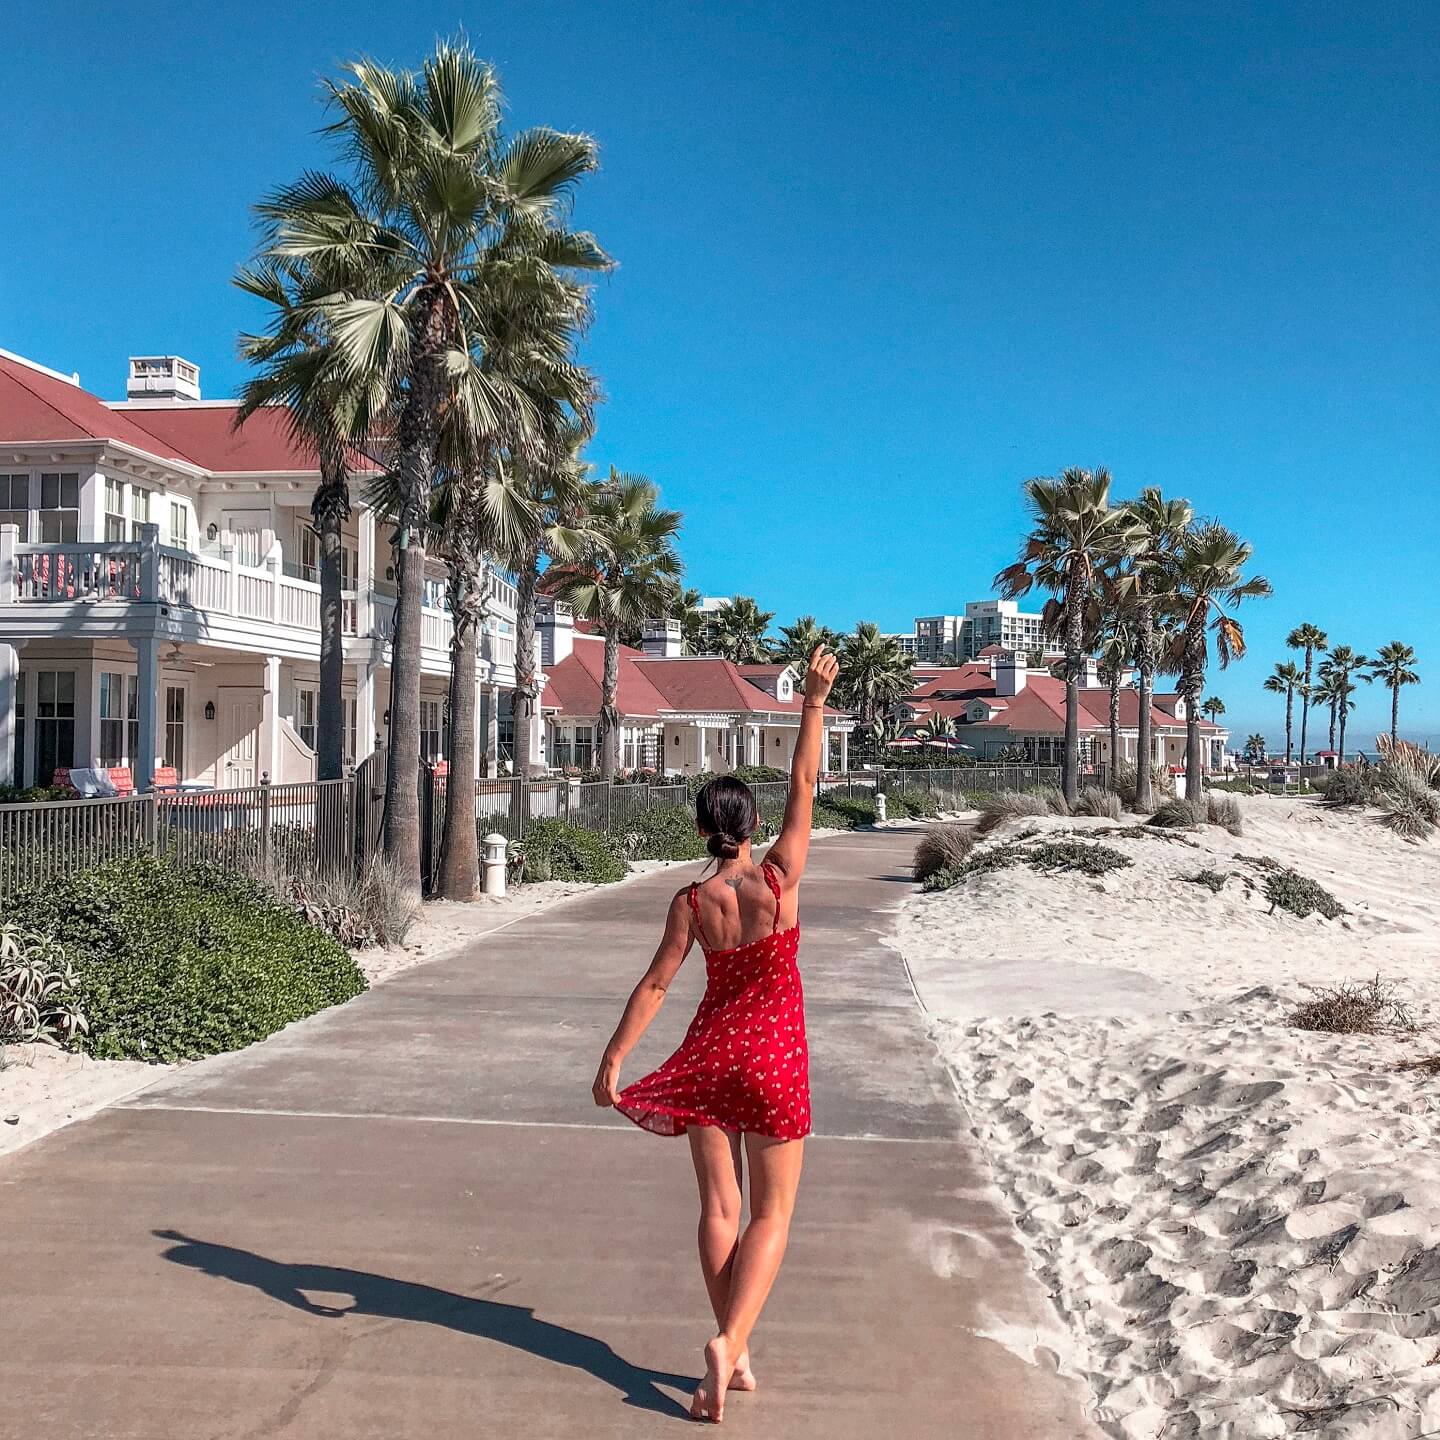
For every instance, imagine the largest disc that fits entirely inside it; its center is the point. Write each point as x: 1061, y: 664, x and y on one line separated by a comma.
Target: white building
x: 958, y: 638
x: 159, y: 596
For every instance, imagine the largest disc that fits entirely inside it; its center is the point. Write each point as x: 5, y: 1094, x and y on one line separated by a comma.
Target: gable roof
x: 37, y: 405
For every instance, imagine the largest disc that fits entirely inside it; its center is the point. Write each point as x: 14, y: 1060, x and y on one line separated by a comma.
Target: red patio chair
x: 122, y: 780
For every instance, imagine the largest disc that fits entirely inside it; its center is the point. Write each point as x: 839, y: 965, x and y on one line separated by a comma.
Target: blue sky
x: 877, y: 266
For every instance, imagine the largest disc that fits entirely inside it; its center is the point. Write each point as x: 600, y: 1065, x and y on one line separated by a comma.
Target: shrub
x: 374, y: 907
x: 941, y: 847
x: 1213, y: 880
x: 1102, y: 803
x: 175, y: 961
x: 1347, y: 1009
x: 1224, y: 810
x: 16, y: 795
x: 1007, y: 805
x: 1289, y: 890
x: 1054, y: 798
x: 911, y: 802
x: 1076, y: 855
x: 1178, y: 815
x: 750, y: 774
x: 665, y: 832
x: 844, y: 812
x: 1353, y: 785
x: 1408, y: 805
x: 1123, y: 782
x: 558, y: 850
x: 37, y: 990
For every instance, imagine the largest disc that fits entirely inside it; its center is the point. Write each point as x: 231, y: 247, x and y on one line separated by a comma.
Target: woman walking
x: 739, y: 1085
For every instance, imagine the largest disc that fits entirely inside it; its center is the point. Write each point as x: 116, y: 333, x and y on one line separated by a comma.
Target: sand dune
x: 1240, y: 1221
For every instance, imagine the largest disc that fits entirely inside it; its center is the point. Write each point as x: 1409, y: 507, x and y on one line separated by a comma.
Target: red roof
x: 651, y: 686
x: 960, y: 680
x: 37, y: 406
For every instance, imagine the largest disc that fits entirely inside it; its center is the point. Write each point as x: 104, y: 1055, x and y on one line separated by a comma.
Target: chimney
x: 555, y: 626
x: 1009, y: 673
x: 661, y: 639
x: 162, y: 377
x: 1090, y: 674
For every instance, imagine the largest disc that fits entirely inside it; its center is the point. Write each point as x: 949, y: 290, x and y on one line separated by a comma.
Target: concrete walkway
x: 404, y: 1217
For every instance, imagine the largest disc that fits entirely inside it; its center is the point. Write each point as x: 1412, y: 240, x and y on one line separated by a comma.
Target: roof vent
x: 162, y: 377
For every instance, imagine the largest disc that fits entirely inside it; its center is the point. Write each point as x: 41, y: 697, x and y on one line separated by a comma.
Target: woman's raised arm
x: 788, y: 852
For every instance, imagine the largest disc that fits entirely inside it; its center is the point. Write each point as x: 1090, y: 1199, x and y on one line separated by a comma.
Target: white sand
x: 1240, y: 1221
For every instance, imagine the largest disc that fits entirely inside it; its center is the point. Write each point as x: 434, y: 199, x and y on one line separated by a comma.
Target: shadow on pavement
x: 386, y: 1298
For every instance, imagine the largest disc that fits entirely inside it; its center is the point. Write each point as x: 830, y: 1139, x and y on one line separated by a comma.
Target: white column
x: 365, y: 575
x: 147, y: 685
x: 492, y: 736
x: 365, y: 726
x: 844, y: 751
x: 9, y: 690
x: 752, y: 744
x: 270, y: 720
x: 9, y: 539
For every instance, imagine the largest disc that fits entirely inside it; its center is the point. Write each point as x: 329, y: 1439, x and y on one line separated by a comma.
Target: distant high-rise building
x: 905, y: 639
x: 957, y: 638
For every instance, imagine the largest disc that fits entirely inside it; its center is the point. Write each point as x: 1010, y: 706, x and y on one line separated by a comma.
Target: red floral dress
x: 744, y: 1064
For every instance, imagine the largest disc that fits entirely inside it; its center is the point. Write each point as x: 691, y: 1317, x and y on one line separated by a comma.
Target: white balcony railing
x: 143, y: 570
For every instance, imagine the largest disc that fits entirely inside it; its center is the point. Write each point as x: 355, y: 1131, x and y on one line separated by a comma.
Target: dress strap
x: 768, y: 871
x: 695, y: 910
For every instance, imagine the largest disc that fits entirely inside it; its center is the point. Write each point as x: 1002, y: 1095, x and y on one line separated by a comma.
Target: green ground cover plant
x: 173, y: 962
x: 1289, y: 890
x: 1049, y: 856
x: 558, y: 850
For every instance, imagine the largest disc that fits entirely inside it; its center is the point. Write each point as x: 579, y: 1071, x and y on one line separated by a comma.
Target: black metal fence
x: 334, y: 823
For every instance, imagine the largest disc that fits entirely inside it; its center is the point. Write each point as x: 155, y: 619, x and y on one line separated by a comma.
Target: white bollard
x: 879, y: 807
x: 493, y: 864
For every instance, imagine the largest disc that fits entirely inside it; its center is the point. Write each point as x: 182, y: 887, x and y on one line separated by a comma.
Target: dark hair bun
x: 727, y: 815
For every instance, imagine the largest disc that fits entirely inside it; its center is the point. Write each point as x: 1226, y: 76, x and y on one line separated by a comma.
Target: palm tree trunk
x: 418, y: 427
x: 526, y: 694
x: 1192, y: 681
x: 1145, y: 627
x: 1343, y: 708
x: 1332, y: 725
x: 1289, y: 722
x: 1074, y: 643
x: 329, y: 510
x: 1305, y: 706
x: 460, y: 859
x: 609, y: 712
x: 1394, y: 714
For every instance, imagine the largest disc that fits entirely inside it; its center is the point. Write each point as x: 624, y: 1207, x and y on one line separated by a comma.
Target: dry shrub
x: 1224, y: 810
x: 1123, y: 781
x: 1008, y: 805
x: 942, y: 847
x: 1212, y: 880
x: 1374, y: 1008
x: 1054, y: 798
x: 1104, y: 804
x: 1426, y: 1065
x: 1409, y: 805
x: 1178, y: 815
x: 373, y: 907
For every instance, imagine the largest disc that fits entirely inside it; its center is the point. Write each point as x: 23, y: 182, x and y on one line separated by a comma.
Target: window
x: 308, y: 567
x: 54, y: 723
x: 583, y: 753
x: 350, y: 733
x: 434, y: 737
x: 175, y: 728
x: 114, y: 509
x: 119, y: 718
x: 15, y: 505
x: 306, y: 706
x: 59, y: 508
x: 139, y: 510
x: 179, y: 526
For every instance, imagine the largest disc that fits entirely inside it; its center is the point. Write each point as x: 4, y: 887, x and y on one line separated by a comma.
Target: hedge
x: 176, y: 961
x: 558, y: 850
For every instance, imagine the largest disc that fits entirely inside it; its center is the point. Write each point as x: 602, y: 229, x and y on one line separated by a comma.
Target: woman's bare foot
x: 743, y: 1377
x: 709, y: 1400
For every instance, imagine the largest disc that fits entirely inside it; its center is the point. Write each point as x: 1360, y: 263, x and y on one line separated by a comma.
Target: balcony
x: 126, y: 587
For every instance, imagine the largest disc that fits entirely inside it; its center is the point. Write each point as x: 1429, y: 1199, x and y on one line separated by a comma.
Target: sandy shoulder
x: 1239, y: 1221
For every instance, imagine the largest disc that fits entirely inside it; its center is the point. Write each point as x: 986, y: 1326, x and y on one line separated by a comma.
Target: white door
x: 239, y: 739
x: 247, y: 531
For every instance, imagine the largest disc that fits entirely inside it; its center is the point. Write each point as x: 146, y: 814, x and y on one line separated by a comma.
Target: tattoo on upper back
x: 733, y: 881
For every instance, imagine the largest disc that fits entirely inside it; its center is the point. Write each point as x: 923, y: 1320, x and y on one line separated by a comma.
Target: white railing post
x: 230, y: 554
x: 272, y: 566
x: 9, y: 539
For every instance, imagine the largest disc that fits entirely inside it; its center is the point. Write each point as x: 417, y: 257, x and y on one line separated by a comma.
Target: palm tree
x: 797, y: 642
x: 1311, y: 639
x: 1213, y: 709
x: 1209, y: 581
x: 434, y: 184
x: 297, y: 370
x: 1255, y: 749
x: 1338, y: 674
x: 1076, y: 531
x: 1395, y: 665
x: 875, y: 674
x: 628, y: 576
x: 1285, y: 680
x: 740, y: 626
x: 1143, y: 580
